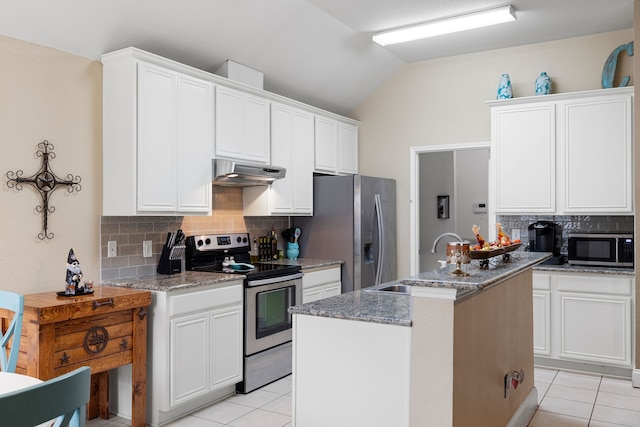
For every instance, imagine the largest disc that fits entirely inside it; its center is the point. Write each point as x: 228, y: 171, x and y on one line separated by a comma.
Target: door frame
x: 414, y: 193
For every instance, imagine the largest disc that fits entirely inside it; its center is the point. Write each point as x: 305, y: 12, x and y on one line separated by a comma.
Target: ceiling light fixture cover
x: 469, y: 21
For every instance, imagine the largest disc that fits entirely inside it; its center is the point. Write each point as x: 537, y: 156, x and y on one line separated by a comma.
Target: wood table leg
x: 98, y: 405
x: 139, y: 369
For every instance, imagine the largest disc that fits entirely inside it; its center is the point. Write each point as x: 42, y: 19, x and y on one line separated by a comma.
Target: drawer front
x: 105, y: 300
x: 88, y: 341
x: 320, y: 277
x: 205, y: 300
x: 603, y: 284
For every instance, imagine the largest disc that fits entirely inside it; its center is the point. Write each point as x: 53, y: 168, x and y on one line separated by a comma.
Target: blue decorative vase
x: 543, y: 84
x: 504, y: 89
x: 293, y: 250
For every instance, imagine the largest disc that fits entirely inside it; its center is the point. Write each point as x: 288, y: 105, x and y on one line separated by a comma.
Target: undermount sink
x: 395, y: 288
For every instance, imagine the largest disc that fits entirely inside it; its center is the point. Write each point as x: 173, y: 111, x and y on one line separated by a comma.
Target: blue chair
x: 61, y: 400
x: 13, y: 302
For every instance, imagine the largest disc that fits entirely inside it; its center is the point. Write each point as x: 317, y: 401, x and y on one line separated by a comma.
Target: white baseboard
x: 635, y: 378
x: 526, y: 410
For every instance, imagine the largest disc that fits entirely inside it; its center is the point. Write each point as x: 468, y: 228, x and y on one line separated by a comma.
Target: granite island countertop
x: 363, y: 305
x: 478, y: 278
x: 395, y: 309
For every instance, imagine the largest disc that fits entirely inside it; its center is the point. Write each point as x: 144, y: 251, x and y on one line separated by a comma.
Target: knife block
x: 166, y: 265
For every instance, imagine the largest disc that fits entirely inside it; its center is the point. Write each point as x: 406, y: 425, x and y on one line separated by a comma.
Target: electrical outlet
x: 112, y: 248
x: 515, y: 234
x: 147, y: 250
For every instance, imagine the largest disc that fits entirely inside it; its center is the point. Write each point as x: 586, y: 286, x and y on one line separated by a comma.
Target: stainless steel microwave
x: 601, y: 249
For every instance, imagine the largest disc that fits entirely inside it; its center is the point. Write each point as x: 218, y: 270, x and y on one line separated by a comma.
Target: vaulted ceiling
x: 316, y: 51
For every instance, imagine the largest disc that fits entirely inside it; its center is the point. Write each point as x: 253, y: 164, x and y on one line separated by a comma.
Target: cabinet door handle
x: 97, y: 304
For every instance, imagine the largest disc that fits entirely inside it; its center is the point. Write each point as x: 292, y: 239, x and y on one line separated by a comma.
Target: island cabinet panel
x: 330, y: 353
x: 563, y: 154
x: 492, y: 337
x: 104, y: 330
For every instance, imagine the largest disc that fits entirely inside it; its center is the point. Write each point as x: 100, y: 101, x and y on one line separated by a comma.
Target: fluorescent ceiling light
x: 453, y: 24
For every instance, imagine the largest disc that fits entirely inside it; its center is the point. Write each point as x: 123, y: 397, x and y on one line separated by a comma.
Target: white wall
x: 442, y: 101
x: 48, y: 94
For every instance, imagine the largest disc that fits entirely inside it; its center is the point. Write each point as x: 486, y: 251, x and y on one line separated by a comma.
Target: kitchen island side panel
x: 493, y: 335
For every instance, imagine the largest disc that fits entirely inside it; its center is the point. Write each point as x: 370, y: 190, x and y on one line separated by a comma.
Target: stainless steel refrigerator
x: 354, y: 220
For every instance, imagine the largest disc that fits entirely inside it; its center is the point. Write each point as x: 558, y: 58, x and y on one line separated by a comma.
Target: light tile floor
x: 269, y: 406
x: 566, y: 399
x: 570, y: 399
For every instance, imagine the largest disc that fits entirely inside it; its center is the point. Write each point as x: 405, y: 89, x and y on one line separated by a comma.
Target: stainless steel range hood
x: 234, y: 174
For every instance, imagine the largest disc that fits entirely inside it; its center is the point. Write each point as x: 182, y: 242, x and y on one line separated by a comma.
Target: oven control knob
x: 239, y: 239
x: 208, y: 241
x: 200, y: 242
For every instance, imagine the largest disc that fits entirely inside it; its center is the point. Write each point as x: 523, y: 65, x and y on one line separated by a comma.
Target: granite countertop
x: 478, y: 278
x: 307, y: 263
x: 173, y: 282
x: 194, y: 279
x: 362, y: 305
x: 568, y: 268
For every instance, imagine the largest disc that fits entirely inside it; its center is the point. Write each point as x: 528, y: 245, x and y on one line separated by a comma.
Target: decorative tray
x: 63, y: 294
x: 484, y: 254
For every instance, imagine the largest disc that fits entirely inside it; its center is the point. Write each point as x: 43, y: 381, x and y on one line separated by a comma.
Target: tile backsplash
x: 130, y: 232
x: 568, y: 222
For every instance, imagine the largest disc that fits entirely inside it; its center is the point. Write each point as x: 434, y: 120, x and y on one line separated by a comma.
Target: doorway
x: 455, y: 175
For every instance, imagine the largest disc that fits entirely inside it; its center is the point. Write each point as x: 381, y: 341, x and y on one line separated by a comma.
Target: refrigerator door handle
x: 379, y: 217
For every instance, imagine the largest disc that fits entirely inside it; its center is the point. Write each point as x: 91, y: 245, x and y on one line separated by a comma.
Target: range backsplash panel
x: 130, y: 232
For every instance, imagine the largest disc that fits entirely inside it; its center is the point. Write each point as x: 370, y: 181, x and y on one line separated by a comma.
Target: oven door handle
x: 270, y: 280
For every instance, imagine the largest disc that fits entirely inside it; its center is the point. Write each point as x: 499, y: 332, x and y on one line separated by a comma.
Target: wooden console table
x: 103, y: 330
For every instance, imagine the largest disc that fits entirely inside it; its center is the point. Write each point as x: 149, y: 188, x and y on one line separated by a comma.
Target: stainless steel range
x: 270, y: 289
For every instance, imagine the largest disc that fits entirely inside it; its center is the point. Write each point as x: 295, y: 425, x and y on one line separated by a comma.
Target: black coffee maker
x: 546, y: 236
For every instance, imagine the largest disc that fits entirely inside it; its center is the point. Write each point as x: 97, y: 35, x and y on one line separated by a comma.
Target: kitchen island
x: 438, y: 356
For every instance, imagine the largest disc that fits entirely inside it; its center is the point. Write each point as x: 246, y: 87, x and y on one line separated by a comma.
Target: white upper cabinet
x: 291, y: 146
x: 164, y: 122
x: 563, y: 154
x: 523, y: 157
x: 158, y: 133
x: 597, y: 155
x: 336, y: 146
x: 348, y: 148
x: 242, y: 126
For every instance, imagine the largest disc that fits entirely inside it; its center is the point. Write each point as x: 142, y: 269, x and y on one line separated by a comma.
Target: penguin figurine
x: 74, y: 275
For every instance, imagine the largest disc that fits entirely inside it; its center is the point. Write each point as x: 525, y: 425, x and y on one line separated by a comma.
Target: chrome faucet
x: 441, y: 236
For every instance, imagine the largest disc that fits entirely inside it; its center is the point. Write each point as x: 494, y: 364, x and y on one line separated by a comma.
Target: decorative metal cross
x: 44, y: 181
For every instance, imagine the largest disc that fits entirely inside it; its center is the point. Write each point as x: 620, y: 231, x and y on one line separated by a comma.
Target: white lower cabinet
x: 195, y: 349
x: 542, y: 314
x: 589, y: 317
x: 321, y: 283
